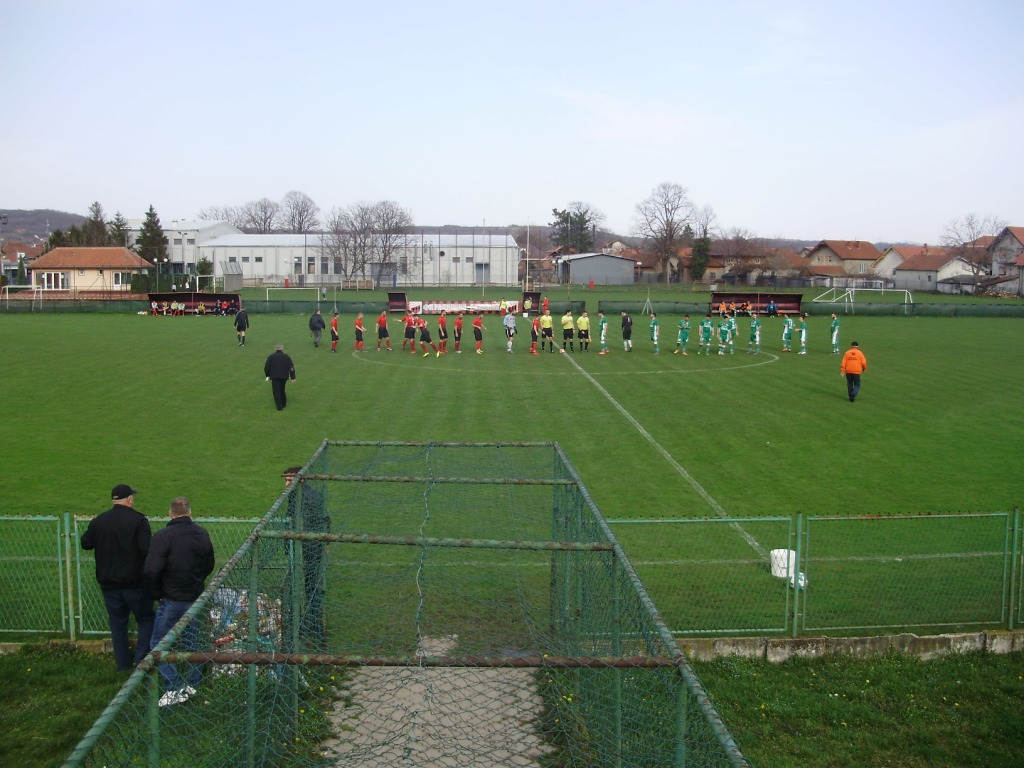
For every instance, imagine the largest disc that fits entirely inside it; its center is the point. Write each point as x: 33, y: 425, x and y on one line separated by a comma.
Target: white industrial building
x: 420, y: 258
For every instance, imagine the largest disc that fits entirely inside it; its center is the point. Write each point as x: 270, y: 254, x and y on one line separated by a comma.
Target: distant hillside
x: 26, y: 225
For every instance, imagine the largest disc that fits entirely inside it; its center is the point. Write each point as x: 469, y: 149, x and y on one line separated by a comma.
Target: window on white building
x: 52, y: 281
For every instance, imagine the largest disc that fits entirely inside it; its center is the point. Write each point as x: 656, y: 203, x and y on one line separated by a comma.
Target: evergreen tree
x: 152, y: 242
x: 118, y: 231
x: 94, y: 230
x: 699, y: 257
x: 573, y: 228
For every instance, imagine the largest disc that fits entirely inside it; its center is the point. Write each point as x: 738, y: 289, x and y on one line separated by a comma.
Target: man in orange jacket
x: 854, y: 364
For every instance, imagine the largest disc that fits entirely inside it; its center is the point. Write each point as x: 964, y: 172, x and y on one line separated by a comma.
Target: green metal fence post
x: 616, y: 651
x: 794, y: 578
x: 68, y: 587
x: 153, y: 716
x: 1015, y: 587
x: 682, y: 704
x: 254, y: 630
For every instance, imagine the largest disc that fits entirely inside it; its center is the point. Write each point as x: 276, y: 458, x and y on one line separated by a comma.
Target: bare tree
x: 662, y: 220
x: 965, y: 237
x: 704, y: 222
x: 299, y: 213
x: 392, y: 224
x: 348, y: 239
x: 261, y: 217
x: 229, y: 213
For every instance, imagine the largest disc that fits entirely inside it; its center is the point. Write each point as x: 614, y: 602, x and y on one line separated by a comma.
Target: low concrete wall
x: 774, y: 649
x: 778, y: 649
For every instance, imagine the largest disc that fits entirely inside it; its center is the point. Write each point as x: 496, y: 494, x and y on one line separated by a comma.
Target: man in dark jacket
x: 317, y: 325
x: 180, y: 558
x: 279, y: 369
x: 121, y: 538
x: 241, y: 325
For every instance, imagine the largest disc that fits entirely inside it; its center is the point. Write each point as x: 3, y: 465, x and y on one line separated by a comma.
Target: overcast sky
x: 878, y: 121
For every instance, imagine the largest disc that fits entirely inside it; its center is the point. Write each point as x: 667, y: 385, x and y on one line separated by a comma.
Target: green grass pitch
x: 173, y: 406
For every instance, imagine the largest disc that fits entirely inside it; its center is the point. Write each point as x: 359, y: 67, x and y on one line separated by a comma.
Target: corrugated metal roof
x: 313, y: 241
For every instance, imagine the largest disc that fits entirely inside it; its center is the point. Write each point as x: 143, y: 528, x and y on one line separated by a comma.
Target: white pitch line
x: 711, y: 501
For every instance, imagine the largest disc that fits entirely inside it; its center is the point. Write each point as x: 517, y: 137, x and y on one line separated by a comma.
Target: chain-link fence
x: 47, y: 581
x: 421, y: 604
x: 812, y: 575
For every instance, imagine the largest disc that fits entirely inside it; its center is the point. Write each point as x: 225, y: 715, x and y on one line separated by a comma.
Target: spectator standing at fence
x: 241, y: 325
x: 180, y: 558
x: 853, y: 365
x: 835, y: 334
x: 121, y: 539
x: 627, y: 331
x: 316, y: 327
x: 803, y: 335
x: 279, y: 369
x: 335, y: 338
x: 308, y: 509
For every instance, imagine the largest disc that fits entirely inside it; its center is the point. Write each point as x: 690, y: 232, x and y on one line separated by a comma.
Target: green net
x: 421, y: 604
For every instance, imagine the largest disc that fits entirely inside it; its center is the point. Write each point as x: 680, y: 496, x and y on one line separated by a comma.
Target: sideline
x: 711, y: 501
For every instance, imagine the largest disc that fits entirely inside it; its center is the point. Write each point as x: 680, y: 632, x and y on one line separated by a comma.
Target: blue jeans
x: 122, y: 603
x: 168, y: 612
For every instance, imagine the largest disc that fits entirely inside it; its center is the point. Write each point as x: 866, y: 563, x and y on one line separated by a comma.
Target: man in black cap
x: 279, y: 369
x: 121, y: 537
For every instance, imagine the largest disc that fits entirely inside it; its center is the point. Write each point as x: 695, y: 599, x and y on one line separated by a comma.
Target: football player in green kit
x: 683, y: 335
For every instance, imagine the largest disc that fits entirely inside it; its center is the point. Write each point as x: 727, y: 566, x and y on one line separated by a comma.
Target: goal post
x: 848, y: 297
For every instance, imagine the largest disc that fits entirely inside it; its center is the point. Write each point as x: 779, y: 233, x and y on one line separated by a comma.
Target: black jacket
x: 316, y: 322
x: 180, y: 558
x: 121, y: 538
x: 279, y: 366
x: 242, y: 320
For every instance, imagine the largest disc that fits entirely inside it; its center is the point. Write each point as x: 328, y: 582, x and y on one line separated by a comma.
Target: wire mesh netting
x: 427, y: 605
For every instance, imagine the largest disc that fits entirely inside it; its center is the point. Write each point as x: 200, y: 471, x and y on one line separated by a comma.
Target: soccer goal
x: 849, y: 297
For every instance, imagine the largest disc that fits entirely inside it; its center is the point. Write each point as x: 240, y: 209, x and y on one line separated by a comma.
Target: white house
x: 421, y: 259
x: 184, y: 239
x: 1007, y: 251
x: 925, y: 271
x: 894, y: 255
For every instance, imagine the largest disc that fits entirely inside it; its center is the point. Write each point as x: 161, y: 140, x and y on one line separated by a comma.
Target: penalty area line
x: 708, y: 498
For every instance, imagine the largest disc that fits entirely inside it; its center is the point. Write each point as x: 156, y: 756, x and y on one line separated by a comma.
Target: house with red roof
x: 14, y: 253
x: 87, y: 270
x: 843, y: 262
x: 1007, y: 251
x: 934, y: 269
